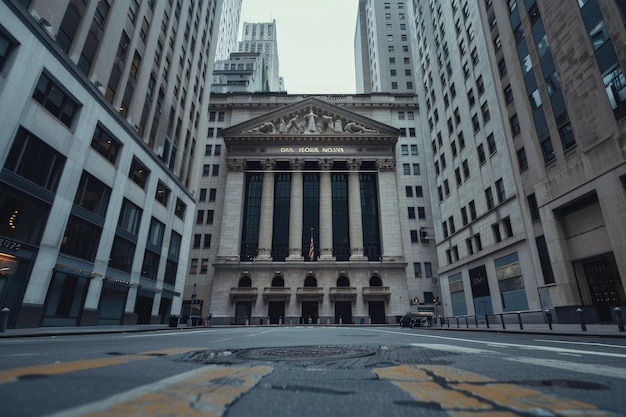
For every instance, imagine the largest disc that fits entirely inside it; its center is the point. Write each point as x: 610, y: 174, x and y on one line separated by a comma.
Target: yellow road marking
x: 523, y: 399
x: 205, y: 393
x: 447, y: 399
x: 64, y: 367
x: 468, y: 394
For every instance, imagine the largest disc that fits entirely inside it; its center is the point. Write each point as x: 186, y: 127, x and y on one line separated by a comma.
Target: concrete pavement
x: 595, y: 330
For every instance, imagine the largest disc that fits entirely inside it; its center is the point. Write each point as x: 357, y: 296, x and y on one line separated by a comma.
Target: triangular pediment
x: 310, y: 117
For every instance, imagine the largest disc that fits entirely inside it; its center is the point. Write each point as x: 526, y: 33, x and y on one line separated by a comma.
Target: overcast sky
x: 315, y: 42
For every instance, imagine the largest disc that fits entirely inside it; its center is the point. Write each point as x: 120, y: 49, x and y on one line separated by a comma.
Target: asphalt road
x: 312, y: 371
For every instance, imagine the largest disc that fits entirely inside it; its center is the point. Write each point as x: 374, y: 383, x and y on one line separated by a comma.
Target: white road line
x: 581, y: 343
x: 167, y: 333
x: 602, y: 370
x: 520, y: 346
x: 453, y: 348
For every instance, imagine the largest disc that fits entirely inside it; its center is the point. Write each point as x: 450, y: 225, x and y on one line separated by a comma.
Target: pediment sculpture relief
x: 310, y: 123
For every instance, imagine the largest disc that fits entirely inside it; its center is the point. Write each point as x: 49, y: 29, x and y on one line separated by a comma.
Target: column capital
x: 386, y: 164
x: 296, y: 164
x: 354, y: 164
x: 326, y: 164
x: 268, y: 164
x: 235, y: 165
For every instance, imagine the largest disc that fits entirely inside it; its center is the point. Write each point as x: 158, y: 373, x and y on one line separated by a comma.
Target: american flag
x: 311, y: 250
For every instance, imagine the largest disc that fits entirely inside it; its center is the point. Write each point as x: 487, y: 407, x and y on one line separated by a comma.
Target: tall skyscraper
x: 523, y: 104
x: 485, y: 264
x: 261, y: 38
x: 559, y: 68
x: 102, y: 105
x: 384, y: 63
x: 382, y: 45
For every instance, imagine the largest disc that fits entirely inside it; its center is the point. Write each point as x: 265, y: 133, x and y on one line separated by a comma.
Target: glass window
x: 105, y: 144
x: 25, y: 216
x: 50, y: 95
x: 156, y: 232
x: 80, y: 239
x: 138, y: 173
x: 130, y: 217
x: 35, y: 161
x: 92, y: 194
x: 7, y: 46
x: 122, y: 254
x: 162, y: 194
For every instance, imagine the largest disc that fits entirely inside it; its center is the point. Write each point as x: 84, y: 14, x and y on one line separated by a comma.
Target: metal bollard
x: 4, y: 319
x: 549, y: 317
x: 583, y: 327
x: 620, y: 321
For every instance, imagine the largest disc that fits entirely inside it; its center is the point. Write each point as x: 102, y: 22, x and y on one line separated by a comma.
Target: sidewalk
x: 595, y: 330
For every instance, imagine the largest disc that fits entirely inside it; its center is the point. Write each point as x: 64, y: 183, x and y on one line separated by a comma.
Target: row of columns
x: 266, y: 225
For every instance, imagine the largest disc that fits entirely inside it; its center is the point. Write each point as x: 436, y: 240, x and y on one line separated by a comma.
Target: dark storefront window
x: 92, y: 195
x: 81, y: 239
x: 252, y: 213
x: 282, y: 196
x: 122, y: 254
x: 369, y: 216
x: 36, y: 161
x: 65, y: 299
x: 25, y: 216
x: 311, y: 214
x: 341, y: 234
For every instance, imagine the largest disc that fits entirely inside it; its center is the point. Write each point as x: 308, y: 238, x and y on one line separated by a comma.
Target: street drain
x: 318, y: 353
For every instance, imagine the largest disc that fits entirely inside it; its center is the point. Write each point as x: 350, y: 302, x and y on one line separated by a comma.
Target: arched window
x: 376, y: 282
x: 310, y: 281
x: 343, y: 281
x: 245, y: 282
x: 278, y: 281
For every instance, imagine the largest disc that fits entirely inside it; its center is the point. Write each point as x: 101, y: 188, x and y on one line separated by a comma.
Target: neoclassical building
x: 310, y: 229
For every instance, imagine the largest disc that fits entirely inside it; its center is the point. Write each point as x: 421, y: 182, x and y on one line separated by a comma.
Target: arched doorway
x: 343, y: 308
x: 276, y: 309
x: 310, y: 308
x: 376, y: 308
x: 243, y: 309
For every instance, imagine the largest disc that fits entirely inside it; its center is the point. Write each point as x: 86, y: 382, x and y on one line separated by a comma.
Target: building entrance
x: 343, y: 312
x: 310, y: 312
x: 243, y: 309
x: 276, y: 311
x: 377, y: 312
x: 605, y: 286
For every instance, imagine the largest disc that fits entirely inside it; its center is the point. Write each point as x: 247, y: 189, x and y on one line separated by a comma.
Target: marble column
x: 354, y: 211
x: 389, y: 214
x: 230, y: 233
x: 295, y: 211
x: 326, y: 210
x: 266, y: 223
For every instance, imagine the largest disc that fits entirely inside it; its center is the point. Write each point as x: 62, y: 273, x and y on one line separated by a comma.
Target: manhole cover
x: 306, y: 353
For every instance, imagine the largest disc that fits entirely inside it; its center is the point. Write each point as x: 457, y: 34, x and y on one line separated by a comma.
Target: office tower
x: 102, y: 103
x: 384, y: 63
x: 485, y: 260
x: 242, y: 72
x: 305, y: 216
x: 261, y: 38
x: 559, y: 71
x: 382, y: 45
